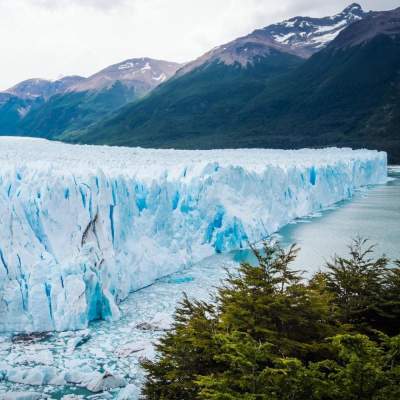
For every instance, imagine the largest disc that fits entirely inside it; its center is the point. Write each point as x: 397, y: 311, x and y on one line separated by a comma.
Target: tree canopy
x: 270, y: 334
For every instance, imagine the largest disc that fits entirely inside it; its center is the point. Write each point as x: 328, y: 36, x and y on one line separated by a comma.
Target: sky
x: 53, y: 38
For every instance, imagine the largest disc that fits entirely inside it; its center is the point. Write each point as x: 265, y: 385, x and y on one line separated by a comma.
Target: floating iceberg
x: 83, y: 226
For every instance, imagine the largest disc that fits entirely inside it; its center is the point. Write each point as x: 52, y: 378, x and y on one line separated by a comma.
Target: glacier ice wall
x: 82, y: 226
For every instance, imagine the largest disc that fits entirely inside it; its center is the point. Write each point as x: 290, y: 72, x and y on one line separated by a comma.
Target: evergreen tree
x: 184, y: 352
x: 270, y: 335
x: 269, y: 302
x: 366, y: 290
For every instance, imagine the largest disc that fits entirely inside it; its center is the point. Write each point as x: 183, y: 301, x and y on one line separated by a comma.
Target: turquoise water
x: 373, y: 213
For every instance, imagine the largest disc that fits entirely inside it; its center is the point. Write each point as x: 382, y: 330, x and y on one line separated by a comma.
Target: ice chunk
x: 36, y: 376
x: 160, y: 322
x: 22, y: 396
x: 77, y: 341
x: 83, y: 226
x: 138, y: 348
x: 129, y: 392
x: 32, y: 355
x: 106, y: 381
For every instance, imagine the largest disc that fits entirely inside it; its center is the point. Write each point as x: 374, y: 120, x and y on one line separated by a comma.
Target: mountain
x: 188, y: 106
x: 52, y: 108
x: 13, y: 109
x: 25, y: 97
x: 140, y: 74
x: 346, y: 94
x: 300, y: 36
x: 34, y: 88
x: 310, y: 35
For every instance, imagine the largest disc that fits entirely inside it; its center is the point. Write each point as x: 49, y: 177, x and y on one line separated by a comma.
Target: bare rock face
x: 142, y: 73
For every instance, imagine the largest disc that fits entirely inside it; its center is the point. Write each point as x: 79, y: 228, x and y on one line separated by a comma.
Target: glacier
x: 83, y: 226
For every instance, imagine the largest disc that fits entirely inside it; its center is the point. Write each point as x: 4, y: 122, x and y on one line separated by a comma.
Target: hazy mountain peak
x: 141, y: 73
x: 36, y: 87
x: 146, y: 72
x: 30, y: 88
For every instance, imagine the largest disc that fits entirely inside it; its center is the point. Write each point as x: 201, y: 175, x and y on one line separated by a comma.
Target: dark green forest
x: 338, y: 97
x: 62, y: 113
x: 268, y: 333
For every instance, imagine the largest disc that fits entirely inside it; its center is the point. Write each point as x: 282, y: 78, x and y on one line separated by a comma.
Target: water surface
x: 373, y: 213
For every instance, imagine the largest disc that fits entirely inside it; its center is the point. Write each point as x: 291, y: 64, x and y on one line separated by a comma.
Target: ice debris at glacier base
x: 114, y: 346
x: 82, y: 226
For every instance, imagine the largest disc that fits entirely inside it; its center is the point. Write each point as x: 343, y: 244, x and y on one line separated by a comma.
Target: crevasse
x: 83, y: 226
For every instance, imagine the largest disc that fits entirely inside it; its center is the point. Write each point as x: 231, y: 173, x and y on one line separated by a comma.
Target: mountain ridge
x: 148, y: 71
x: 299, y: 36
x: 342, y: 95
x: 37, y: 87
x: 40, y: 107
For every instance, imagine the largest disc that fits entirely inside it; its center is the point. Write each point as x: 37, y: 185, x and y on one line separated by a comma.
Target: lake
x: 118, y: 346
x: 373, y: 213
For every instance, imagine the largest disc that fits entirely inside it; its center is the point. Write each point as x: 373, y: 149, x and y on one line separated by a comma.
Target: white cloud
x: 100, y: 4
x: 47, y: 38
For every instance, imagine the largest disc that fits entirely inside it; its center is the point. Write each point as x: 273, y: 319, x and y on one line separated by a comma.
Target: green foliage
x: 270, y: 335
x: 190, y: 346
x: 366, y: 291
x: 346, y: 97
x: 65, y: 113
x: 193, y: 110
x: 358, y: 283
x: 12, y: 110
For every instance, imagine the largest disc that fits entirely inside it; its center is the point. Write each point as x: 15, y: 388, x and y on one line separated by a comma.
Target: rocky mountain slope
x: 310, y: 35
x: 299, y: 36
x: 143, y: 74
x: 34, y: 88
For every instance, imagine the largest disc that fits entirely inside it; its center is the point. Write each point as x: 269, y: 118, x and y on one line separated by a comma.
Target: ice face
x: 83, y: 226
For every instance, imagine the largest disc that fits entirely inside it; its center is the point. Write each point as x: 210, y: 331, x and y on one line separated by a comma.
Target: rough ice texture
x: 82, y: 226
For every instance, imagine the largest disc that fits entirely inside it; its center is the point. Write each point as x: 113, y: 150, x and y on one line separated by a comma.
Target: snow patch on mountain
x: 83, y: 226
x: 299, y: 36
x: 311, y: 34
x: 127, y: 65
x: 138, y: 73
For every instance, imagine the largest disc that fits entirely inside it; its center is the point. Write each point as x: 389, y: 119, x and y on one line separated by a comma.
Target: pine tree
x: 270, y: 335
x: 366, y: 290
x: 184, y: 352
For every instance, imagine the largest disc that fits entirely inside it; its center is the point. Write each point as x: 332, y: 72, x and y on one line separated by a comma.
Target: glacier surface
x: 83, y: 226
